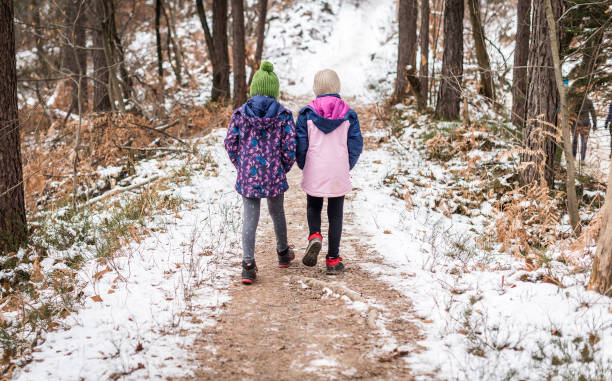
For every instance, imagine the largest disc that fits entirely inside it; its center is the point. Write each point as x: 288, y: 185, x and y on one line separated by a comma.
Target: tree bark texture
x: 221, y: 71
x: 239, y: 53
x: 601, y: 274
x: 207, y: 34
x: 570, y: 185
x: 542, y: 101
x: 101, y: 100
x: 262, y: 14
x: 449, y: 96
x: 484, y: 65
x: 406, y: 47
x: 13, y: 231
x: 217, y: 45
x: 521, y: 54
x: 424, y: 42
x: 74, y: 52
x: 160, y: 57
x: 120, y: 83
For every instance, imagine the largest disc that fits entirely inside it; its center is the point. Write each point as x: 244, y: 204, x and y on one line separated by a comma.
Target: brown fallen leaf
x: 37, y: 275
x: 96, y: 298
x: 100, y: 274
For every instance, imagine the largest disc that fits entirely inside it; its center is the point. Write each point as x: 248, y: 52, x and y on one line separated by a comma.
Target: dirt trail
x: 279, y: 329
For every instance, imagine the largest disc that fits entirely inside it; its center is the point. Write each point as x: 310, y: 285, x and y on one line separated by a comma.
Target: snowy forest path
x: 280, y: 329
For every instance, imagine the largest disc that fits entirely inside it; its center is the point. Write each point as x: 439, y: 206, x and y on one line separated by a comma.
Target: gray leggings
x: 251, y: 219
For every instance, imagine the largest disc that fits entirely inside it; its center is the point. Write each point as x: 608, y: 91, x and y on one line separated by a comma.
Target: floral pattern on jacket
x: 263, y: 151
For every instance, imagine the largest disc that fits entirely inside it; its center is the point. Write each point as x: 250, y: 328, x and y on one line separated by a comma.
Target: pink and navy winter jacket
x: 261, y: 144
x: 329, y: 143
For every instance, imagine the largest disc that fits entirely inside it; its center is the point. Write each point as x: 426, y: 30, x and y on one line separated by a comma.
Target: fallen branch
x: 147, y: 149
x: 372, y: 312
x: 121, y: 190
x: 164, y: 127
x: 159, y: 131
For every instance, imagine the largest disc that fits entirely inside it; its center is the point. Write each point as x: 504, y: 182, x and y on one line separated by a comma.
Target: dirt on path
x: 279, y: 329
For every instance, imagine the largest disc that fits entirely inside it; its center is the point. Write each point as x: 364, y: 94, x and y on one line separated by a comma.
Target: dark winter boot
x: 249, y: 272
x: 313, y: 249
x: 285, y: 257
x: 334, y: 266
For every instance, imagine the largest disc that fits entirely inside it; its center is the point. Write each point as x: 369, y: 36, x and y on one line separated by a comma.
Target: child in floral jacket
x: 261, y: 143
x: 329, y: 143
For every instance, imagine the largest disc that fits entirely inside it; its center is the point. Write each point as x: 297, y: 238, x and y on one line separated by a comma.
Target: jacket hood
x: 328, y: 112
x: 260, y: 106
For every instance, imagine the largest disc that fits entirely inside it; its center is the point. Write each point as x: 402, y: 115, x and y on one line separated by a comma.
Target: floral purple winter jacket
x: 261, y: 144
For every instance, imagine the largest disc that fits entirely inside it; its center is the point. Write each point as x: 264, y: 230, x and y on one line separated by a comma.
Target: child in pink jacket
x: 329, y: 143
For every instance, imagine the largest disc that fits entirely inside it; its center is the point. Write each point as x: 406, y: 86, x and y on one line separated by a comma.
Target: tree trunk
x: 217, y: 47
x: 160, y: 57
x: 601, y: 274
x: 570, y: 185
x: 542, y: 101
x: 262, y: 12
x: 484, y: 65
x: 221, y: 71
x: 424, y: 40
x: 451, y: 79
x: 120, y: 83
x: 13, y: 232
x: 177, y: 47
x: 74, y: 52
x: 101, y: 101
x: 207, y: 35
x: 239, y: 53
x: 521, y: 54
x: 406, y: 47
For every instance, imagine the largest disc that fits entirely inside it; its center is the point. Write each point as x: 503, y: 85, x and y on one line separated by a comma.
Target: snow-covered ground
x: 484, y: 317
x: 143, y: 308
x: 353, y: 37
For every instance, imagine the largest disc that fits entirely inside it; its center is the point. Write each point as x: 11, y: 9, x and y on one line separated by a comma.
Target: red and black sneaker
x: 285, y: 257
x: 313, y: 249
x: 249, y: 272
x: 334, y: 266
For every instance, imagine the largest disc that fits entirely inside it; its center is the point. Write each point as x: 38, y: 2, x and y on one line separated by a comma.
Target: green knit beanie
x: 265, y: 82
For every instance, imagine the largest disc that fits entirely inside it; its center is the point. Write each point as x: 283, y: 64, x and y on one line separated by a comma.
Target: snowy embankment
x: 354, y: 37
x: 145, y: 304
x: 484, y: 316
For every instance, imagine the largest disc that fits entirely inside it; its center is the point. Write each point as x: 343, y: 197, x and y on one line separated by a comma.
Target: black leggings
x: 335, y: 206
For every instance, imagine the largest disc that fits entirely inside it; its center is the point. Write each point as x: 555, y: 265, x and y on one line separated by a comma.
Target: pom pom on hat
x: 265, y: 82
x: 267, y: 66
